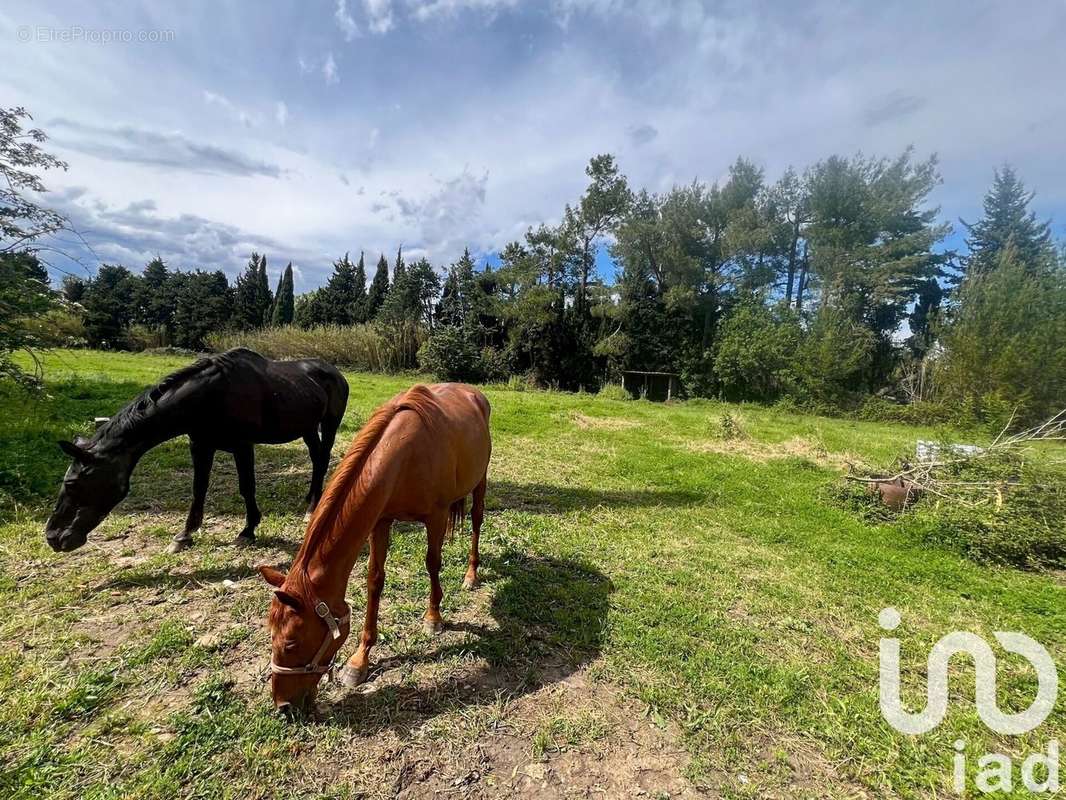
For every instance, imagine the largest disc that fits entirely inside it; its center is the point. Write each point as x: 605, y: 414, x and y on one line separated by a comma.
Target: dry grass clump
x: 366, y: 347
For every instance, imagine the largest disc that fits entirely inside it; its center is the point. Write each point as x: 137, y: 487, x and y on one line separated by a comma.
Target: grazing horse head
x: 306, y: 634
x: 94, y: 484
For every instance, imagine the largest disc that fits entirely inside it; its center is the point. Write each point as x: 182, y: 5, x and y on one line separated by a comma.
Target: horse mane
x: 142, y: 406
x: 338, y: 500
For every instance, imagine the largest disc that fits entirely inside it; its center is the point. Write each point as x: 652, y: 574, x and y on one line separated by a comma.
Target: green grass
x: 694, y: 565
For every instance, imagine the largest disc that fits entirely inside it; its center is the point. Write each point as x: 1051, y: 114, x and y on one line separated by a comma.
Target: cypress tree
x: 359, y: 292
x: 379, y: 287
x: 263, y: 299
x: 284, y: 300
x: 251, y: 302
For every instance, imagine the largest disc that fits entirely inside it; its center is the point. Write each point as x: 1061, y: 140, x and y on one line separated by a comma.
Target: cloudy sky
x: 202, y: 130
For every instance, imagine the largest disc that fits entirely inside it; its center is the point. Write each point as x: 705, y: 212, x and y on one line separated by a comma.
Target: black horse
x: 230, y: 402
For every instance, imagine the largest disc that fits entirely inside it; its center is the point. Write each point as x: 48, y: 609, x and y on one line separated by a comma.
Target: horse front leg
x: 355, y: 671
x: 203, y: 456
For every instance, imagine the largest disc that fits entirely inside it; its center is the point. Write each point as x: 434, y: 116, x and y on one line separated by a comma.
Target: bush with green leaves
x: 756, y: 352
x: 835, y: 356
x: 613, y: 391
x: 452, y: 354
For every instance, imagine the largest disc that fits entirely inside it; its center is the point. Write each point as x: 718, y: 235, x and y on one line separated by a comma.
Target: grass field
x: 670, y: 606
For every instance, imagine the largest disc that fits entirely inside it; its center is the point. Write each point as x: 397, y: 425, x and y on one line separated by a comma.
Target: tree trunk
x: 802, y: 278
x: 791, y: 265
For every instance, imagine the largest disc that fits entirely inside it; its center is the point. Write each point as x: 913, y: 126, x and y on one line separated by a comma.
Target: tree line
x: 825, y: 286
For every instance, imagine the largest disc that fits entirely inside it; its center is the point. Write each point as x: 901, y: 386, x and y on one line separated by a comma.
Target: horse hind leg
x: 318, y: 472
x: 244, y: 458
x: 477, y: 516
x: 436, y: 529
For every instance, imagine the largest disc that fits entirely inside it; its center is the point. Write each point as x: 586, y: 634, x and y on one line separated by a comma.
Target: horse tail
x: 455, y: 517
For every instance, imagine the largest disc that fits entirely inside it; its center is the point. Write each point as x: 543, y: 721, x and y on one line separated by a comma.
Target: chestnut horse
x: 416, y: 459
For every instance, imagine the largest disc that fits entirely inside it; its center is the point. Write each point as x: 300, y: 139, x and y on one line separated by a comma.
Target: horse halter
x: 334, y: 633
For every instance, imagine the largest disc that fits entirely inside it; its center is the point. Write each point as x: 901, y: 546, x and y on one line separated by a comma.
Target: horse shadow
x: 550, y: 615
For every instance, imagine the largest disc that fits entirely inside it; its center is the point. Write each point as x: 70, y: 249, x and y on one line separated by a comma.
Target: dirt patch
x: 796, y: 447
x: 572, y: 738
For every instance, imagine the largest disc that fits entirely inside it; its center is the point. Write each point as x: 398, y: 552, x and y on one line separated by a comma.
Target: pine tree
x: 339, y: 297
x: 153, y: 305
x: 249, y: 309
x: 1008, y: 221
x: 203, y: 304
x: 283, y: 300
x: 400, y: 268
x: 359, y: 292
x: 108, y: 303
x: 449, y: 309
x: 1005, y: 346
x: 379, y: 289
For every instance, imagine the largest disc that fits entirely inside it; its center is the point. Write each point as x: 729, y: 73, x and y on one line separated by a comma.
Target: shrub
x: 1026, y: 531
x: 364, y: 347
x: 878, y: 409
x: 612, y: 391
x: 451, y: 355
x: 495, y: 365
x: 58, y: 328
x: 729, y: 427
x: 756, y: 348
x: 143, y: 337
x: 836, y: 354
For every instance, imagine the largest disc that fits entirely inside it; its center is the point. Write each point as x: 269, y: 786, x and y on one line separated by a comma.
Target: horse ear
x: 272, y: 576
x: 79, y: 454
x: 288, y: 599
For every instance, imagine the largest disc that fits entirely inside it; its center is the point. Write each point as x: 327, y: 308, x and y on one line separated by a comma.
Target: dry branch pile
x: 1002, y: 502
x: 968, y: 475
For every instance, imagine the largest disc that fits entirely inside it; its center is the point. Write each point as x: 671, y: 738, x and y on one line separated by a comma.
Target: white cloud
x: 329, y: 70
x: 454, y: 205
x: 675, y: 89
x: 245, y: 118
x: 345, y: 21
x: 423, y: 10
x: 379, y: 15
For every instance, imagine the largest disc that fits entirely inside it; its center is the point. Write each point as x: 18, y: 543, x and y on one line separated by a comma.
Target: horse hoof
x: 432, y: 626
x: 244, y: 541
x: 351, y: 677
x: 177, y: 545
x: 470, y: 583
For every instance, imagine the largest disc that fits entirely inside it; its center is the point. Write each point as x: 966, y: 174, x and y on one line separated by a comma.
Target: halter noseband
x: 314, y: 668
